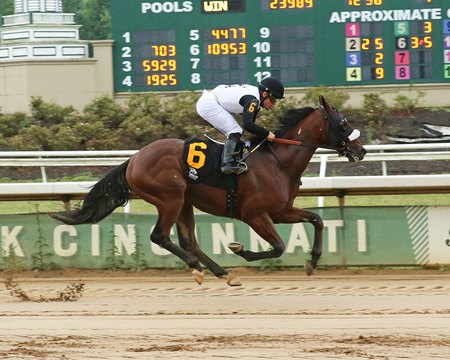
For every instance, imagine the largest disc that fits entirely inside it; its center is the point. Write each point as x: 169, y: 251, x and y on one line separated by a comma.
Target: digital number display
x: 290, y: 4
x: 164, y: 45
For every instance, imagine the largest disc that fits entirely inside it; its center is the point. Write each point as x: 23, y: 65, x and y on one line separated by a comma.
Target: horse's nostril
x: 363, y: 151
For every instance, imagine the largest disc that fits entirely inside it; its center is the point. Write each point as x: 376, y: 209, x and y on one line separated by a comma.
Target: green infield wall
x: 353, y: 236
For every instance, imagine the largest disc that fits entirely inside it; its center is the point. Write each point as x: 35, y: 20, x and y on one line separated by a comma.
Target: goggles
x: 272, y: 99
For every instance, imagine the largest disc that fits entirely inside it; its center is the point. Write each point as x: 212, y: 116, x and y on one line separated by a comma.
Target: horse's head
x: 341, y: 135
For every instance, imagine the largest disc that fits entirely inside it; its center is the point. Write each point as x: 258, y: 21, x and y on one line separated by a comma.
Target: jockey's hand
x: 271, y: 136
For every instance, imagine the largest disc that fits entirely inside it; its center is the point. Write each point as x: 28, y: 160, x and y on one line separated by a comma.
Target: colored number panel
x: 401, y: 28
x: 352, y: 44
x: 354, y: 74
x: 402, y: 73
x: 353, y: 59
x: 402, y: 57
x: 447, y: 42
x: 447, y: 71
x: 352, y: 29
x: 446, y: 26
x: 447, y: 56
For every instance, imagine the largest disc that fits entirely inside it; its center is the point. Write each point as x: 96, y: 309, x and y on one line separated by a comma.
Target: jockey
x: 218, y: 105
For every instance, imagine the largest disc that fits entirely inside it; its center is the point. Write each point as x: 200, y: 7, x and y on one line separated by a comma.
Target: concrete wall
x: 435, y: 95
x: 78, y: 82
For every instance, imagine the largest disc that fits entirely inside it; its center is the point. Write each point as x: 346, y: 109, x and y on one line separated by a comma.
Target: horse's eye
x: 343, y: 124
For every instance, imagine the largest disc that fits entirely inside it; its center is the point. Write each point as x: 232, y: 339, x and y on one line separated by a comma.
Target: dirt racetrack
x: 335, y: 314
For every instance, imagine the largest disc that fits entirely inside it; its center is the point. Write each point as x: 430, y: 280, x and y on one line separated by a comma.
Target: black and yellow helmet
x: 273, y: 86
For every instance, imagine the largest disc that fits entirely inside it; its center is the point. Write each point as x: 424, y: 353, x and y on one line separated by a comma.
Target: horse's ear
x: 325, y: 103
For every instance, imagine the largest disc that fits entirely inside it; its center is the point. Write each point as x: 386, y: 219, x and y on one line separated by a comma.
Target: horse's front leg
x: 265, y: 228
x: 299, y: 215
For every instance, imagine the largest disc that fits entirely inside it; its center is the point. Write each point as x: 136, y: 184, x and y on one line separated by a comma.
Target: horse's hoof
x: 233, y: 280
x: 199, y: 276
x: 235, y: 247
x: 309, y: 269
x: 60, y: 217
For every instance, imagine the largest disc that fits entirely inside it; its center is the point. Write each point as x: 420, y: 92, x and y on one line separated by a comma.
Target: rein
x: 301, y: 143
x: 287, y: 141
x: 280, y: 164
x: 283, y: 167
x: 340, y: 149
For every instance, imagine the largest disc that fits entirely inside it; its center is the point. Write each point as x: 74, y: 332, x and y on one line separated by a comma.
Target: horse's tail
x: 109, y: 193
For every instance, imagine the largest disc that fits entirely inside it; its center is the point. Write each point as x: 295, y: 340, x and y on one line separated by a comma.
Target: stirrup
x: 242, y: 167
x: 239, y: 168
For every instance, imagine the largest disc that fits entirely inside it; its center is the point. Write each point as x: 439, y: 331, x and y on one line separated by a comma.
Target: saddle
x: 202, y: 159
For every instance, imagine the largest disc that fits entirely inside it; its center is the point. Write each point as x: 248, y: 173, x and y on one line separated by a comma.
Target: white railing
x: 375, y: 153
x: 321, y: 185
x: 53, y: 18
x: 39, y: 18
x: 45, y: 159
x: 399, y: 184
x: 391, y: 152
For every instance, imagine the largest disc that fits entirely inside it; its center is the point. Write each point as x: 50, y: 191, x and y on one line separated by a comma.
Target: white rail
x: 377, y: 153
x: 418, y: 183
x: 317, y: 186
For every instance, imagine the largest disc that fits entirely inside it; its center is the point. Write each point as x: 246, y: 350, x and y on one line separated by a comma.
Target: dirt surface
x: 335, y: 314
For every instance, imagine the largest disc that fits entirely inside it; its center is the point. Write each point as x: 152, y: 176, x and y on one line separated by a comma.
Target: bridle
x: 342, y: 150
x: 283, y: 167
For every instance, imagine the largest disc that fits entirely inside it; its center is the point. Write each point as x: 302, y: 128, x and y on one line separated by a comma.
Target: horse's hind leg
x: 156, y: 176
x: 161, y: 238
x: 188, y: 241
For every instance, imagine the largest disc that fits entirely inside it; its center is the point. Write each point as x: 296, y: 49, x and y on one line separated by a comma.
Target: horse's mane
x: 291, y: 118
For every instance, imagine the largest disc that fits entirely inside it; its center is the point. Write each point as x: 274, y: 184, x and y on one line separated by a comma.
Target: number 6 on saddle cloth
x: 202, y: 159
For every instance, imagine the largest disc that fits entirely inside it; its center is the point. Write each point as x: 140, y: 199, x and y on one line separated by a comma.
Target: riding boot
x: 229, y: 163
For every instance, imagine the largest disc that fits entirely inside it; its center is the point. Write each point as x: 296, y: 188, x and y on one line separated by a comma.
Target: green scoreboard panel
x: 188, y: 45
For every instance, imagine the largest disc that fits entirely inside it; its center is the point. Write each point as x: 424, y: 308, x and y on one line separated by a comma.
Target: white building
x: 40, y: 30
x: 41, y: 55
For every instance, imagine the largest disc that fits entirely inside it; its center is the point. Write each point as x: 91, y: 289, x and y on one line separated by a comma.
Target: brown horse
x: 265, y: 194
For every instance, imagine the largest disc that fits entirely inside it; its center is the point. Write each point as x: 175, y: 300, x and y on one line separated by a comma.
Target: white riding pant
x: 208, y: 108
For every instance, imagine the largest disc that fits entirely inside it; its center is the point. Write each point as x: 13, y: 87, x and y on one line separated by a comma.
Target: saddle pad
x: 203, y: 159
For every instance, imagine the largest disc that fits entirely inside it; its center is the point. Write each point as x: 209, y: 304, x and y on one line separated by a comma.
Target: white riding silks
x: 354, y: 135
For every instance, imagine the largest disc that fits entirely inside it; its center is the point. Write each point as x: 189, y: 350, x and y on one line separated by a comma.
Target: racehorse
x: 265, y: 193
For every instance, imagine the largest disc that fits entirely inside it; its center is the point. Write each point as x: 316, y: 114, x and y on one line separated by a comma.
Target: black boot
x: 229, y: 163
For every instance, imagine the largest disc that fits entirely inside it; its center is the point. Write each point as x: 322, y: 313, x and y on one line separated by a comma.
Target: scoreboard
x: 189, y: 45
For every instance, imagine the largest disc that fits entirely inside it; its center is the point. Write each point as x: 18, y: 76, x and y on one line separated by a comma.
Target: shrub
x: 144, y: 119
x: 105, y: 110
x: 269, y: 119
x: 408, y: 103
x: 335, y: 97
x: 32, y: 138
x: 48, y: 114
x: 10, y: 124
x: 375, y: 111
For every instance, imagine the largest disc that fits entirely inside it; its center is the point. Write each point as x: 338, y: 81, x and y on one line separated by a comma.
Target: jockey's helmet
x: 273, y: 86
